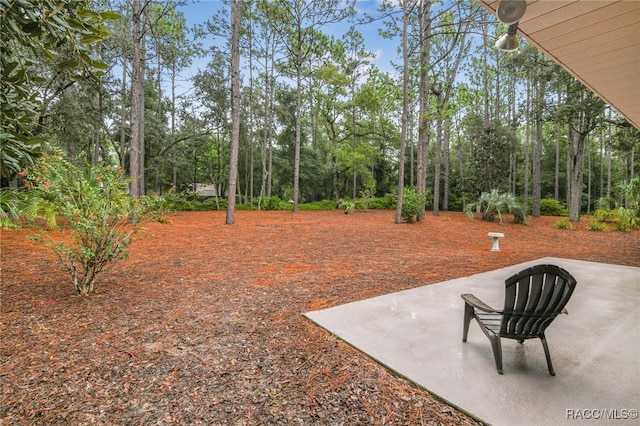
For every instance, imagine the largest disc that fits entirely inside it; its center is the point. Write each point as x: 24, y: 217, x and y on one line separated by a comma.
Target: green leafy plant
x: 33, y: 32
x: 412, y: 204
x: 552, y: 207
x: 627, y: 219
x: 564, y: 224
x: 495, y: 204
x: 624, y: 211
x: 597, y: 226
x: 92, y: 208
x: 270, y: 203
x: 368, y: 193
x: 314, y: 205
x: 347, y: 205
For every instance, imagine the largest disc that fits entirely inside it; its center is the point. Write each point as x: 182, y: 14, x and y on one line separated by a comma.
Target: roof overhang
x: 597, y: 41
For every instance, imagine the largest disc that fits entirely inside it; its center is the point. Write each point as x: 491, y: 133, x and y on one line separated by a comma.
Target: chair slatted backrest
x: 533, y: 298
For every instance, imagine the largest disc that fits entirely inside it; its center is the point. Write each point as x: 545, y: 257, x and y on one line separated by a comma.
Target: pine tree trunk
x: 405, y: 107
x: 137, y: 110
x: 236, y: 18
x: 576, y: 158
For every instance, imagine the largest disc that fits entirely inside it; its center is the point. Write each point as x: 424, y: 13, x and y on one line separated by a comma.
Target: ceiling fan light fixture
x: 511, y: 11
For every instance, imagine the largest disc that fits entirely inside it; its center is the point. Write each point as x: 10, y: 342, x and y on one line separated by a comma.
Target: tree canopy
x: 319, y: 117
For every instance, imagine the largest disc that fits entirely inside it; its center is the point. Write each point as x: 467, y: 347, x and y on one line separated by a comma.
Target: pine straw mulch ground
x: 203, y: 323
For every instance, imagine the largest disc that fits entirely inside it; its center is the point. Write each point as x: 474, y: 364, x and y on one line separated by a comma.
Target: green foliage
x: 412, y: 204
x: 597, y: 226
x: 623, y: 218
x: 317, y: 205
x: 552, y: 207
x: 623, y: 212
x: 564, y: 224
x: 606, y: 203
x: 605, y: 215
x: 495, y: 204
x: 368, y: 193
x: 270, y: 203
x: 9, y: 209
x: 96, y: 213
x: 490, y: 147
x: 383, y: 203
x: 34, y: 33
x: 347, y: 205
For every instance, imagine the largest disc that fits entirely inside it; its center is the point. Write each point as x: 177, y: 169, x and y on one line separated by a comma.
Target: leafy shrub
x: 347, y: 205
x: 317, y: 205
x: 368, y: 193
x: 98, y: 214
x: 606, y: 203
x: 596, y: 226
x: 495, y: 204
x: 552, y: 207
x: 388, y: 202
x: 9, y: 209
x: 626, y: 219
x: 213, y: 204
x: 564, y: 224
x: 270, y: 203
x: 412, y: 204
x: 605, y: 215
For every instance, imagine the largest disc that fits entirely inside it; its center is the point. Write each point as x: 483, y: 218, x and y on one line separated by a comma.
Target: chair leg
x: 497, y: 352
x: 543, y: 339
x: 468, y: 315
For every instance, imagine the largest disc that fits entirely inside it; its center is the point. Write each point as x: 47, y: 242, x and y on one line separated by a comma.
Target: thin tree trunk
x: 589, y: 182
x: 174, y: 171
x: 527, y: 142
x: 576, y: 158
x: 556, y: 180
x: 537, y: 153
x: 423, y: 121
x: 446, y: 162
x: 405, y: 107
x: 236, y: 18
x: 123, y: 110
x: 436, y: 173
x: 137, y: 109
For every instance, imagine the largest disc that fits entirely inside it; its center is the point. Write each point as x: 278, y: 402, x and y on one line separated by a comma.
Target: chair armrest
x: 470, y: 299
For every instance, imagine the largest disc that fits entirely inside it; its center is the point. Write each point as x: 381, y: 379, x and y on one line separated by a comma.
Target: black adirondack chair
x: 533, y: 298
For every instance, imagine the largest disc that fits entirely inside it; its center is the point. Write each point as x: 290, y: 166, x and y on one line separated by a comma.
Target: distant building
x: 207, y: 190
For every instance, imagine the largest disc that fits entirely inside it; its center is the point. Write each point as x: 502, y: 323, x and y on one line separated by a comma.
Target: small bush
x: 596, y: 226
x: 383, y: 203
x: 564, y: 224
x: 605, y: 215
x: 270, y: 203
x: 412, y: 204
x: 98, y: 215
x: 347, y: 205
x: 552, y: 207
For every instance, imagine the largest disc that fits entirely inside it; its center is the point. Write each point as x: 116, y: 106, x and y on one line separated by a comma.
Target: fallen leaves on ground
x: 203, y: 323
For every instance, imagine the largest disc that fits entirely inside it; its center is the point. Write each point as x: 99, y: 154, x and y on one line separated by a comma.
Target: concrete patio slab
x: 595, y: 349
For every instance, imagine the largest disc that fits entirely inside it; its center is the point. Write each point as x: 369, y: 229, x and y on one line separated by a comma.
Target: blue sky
x: 197, y: 12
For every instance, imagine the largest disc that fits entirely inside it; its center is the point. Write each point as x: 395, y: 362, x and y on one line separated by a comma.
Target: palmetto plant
x: 623, y: 211
x: 496, y: 204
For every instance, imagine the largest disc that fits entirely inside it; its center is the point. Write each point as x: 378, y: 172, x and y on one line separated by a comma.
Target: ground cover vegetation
x: 99, y: 147
x: 202, y: 323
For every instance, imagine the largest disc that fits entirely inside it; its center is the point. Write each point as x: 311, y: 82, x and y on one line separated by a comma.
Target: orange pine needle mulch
x: 203, y: 323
